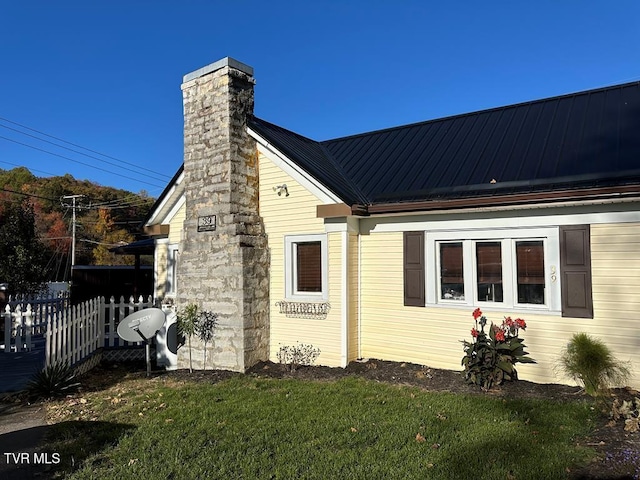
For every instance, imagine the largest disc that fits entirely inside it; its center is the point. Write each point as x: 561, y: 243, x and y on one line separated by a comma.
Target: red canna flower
x: 477, y: 314
x: 508, y: 322
x: 521, y: 323
x: 500, y: 335
x: 474, y: 333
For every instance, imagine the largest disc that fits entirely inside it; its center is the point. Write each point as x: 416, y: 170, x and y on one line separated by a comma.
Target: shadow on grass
x: 49, y: 450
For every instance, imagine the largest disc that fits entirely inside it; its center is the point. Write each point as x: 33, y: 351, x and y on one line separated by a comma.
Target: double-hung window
x: 306, y: 267
x: 513, y: 268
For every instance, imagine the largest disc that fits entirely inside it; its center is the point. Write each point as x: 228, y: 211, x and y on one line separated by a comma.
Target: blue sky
x: 106, y: 75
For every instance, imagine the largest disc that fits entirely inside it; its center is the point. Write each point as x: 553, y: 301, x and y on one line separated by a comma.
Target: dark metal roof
x: 145, y: 246
x: 312, y: 157
x: 579, y: 140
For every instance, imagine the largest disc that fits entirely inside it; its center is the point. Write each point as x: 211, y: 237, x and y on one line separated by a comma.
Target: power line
x: 81, y: 163
x: 30, y: 169
x: 29, y: 195
x: 145, y: 170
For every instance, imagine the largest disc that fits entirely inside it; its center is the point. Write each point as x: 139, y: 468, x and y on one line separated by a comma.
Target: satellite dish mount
x: 142, y: 325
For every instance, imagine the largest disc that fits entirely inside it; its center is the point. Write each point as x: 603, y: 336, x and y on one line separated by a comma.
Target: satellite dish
x: 142, y: 326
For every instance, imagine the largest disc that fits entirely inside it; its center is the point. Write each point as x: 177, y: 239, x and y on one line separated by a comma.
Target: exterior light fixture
x: 281, y: 188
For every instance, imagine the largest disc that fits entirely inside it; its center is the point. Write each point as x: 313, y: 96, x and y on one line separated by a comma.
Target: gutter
x: 618, y: 194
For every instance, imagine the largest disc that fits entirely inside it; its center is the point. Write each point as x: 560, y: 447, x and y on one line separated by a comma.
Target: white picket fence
x: 73, y: 333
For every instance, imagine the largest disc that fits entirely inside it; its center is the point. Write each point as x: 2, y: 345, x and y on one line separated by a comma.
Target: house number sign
x: 207, y: 223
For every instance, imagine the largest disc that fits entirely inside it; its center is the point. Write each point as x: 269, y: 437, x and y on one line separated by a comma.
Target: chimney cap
x: 212, y: 67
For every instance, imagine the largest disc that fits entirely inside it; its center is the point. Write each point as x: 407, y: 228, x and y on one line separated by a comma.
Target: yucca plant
x: 591, y: 364
x: 53, y: 381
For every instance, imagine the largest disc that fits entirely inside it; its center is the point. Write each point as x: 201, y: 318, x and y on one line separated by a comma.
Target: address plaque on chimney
x: 207, y: 223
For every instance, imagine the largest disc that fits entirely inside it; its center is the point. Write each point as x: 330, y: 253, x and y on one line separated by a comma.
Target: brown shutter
x: 575, y: 271
x: 414, y: 269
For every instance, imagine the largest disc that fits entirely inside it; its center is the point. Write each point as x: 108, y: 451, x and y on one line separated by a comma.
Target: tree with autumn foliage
x: 23, y: 256
x: 109, y: 236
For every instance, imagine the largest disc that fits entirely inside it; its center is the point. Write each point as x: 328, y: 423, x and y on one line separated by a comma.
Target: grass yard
x: 247, y: 427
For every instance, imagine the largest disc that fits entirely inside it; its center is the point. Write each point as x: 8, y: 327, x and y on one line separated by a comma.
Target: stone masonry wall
x: 224, y: 271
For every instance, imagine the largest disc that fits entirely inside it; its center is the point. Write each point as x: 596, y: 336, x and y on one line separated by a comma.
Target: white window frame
x: 290, y: 244
x: 508, y: 238
x: 172, y: 270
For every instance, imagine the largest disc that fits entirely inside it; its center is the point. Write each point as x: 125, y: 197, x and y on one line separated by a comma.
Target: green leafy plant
x: 490, y: 357
x: 53, y: 381
x: 590, y: 363
x: 300, y: 354
x: 205, y: 329
x: 187, y: 320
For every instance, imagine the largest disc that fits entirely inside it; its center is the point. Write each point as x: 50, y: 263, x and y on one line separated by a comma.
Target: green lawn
x: 247, y: 427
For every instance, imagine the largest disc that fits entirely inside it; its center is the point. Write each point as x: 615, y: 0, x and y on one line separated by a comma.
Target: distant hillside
x: 105, y: 216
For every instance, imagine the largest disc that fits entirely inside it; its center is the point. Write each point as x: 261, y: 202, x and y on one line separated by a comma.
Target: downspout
x: 345, y: 299
x: 359, y: 294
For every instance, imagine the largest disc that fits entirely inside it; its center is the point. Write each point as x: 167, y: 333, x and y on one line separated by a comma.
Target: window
x: 172, y: 268
x: 451, y: 268
x: 489, y: 271
x: 306, y: 272
x: 512, y: 268
x: 530, y: 271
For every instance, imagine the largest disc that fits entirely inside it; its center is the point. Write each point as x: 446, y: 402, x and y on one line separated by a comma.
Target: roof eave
x: 615, y: 193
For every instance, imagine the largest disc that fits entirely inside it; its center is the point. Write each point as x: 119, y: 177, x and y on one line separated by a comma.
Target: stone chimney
x: 223, y: 264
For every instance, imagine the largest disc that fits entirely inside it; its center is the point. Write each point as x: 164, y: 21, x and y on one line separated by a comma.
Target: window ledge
x: 519, y: 309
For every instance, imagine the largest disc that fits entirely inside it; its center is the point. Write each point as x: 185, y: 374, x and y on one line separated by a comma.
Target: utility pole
x: 73, y: 205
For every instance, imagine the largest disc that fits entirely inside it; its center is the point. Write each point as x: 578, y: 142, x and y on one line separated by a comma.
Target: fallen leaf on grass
x: 420, y: 438
x: 631, y: 425
x: 354, y: 429
x: 435, y: 446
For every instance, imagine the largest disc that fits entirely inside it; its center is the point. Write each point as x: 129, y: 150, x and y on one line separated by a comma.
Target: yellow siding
x: 432, y: 335
x: 176, y: 225
x: 294, y: 215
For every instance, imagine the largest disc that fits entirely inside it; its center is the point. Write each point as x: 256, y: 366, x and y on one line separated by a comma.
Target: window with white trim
x: 306, y: 267
x: 511, y: 268
x: 172, y: 268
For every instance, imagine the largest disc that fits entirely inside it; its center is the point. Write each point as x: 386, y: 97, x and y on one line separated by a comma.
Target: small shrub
x: 187, y: 320
x: 205, y: 329
x: 193, y: 321
x: 590, y: 363
x: 300, y: 354
x: 490, y: 358
x: 52, y: 381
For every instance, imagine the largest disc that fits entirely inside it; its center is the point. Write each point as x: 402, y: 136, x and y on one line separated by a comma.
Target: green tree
x: 23, y: 257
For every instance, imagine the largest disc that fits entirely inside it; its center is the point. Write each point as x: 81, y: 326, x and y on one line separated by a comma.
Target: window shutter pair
x: 575, y: 271
x: 414, y: 269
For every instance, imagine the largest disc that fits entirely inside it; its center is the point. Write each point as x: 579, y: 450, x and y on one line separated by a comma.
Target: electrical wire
x: 145, y: 170
x: 79, y: 162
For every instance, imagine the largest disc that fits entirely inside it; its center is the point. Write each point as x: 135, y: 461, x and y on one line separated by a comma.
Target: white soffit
x: 169, y: 204
x: 293, y: 170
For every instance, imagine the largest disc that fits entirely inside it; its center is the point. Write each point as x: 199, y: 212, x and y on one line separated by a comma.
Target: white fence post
x: 71, y: 334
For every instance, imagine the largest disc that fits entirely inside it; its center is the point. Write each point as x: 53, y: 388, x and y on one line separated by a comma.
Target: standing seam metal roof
x: 579, y: 140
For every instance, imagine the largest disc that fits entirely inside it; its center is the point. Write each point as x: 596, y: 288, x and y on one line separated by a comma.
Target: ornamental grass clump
x: 490, y: 357
x: 590, y: 363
